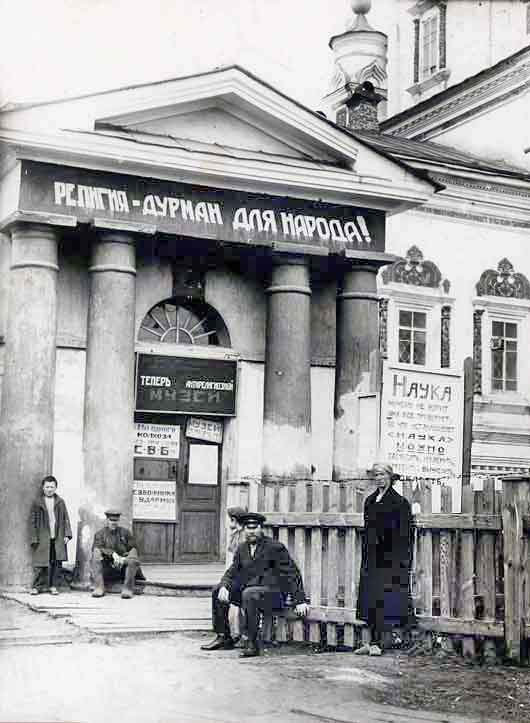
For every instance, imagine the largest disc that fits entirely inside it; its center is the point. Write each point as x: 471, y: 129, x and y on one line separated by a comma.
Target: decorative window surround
x: 423, y: 86
x: 415, y: 284
x: 429, y: 72
x: 495, y: 308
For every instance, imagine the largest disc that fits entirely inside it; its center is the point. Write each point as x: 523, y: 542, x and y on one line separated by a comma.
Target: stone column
x: 357, y: 343
x: 287, y: 403
x: 28, y: 388
x: 109, y: 390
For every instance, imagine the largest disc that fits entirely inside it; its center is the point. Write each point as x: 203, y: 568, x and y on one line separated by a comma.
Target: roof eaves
x: 453, y: 90
x: 419, y: 172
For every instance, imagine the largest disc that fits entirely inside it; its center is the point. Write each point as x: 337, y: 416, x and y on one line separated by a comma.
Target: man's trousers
x: 103, y: 571
x: 254, y: 601
x: 47, y: 577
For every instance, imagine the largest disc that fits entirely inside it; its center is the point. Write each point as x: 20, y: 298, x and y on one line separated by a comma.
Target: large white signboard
x: 156, y: 440
x: 421, y: 423
x: 154, y: 500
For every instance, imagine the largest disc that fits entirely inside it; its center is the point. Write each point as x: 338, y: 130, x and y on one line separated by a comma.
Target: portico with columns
x: 239, y: 263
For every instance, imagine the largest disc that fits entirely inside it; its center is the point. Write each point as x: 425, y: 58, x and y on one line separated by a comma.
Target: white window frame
x: 516, y: 311
x: 431, y: 15
x: 418, y: 298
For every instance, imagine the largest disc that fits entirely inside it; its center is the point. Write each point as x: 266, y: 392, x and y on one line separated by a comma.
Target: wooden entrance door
x: 156, y: 539
x: 198, y: 494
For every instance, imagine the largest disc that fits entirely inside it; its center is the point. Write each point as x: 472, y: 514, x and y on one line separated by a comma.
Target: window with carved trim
x: 429, y: 45
x: 412, y: 337
x: 503, y: 356
x: 415, y: 313
x: 501, y: 327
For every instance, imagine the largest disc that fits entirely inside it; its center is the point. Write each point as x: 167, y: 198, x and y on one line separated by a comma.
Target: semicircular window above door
x: 175, y: 322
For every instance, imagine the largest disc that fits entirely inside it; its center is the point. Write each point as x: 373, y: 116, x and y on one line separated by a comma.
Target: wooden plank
x: 300, y: 505
x: 332, y: 567
x: 253, y: 496
x: 331, y: 578
x: 426, y: 549
x: 269, y: 498
x: 315, y: 590
x: 445, y: 557
x: 432, y: 521
x: 457, y: 626
x: 283, y: 499
x: 485, y: 504
x: 512, y: 533
x: 467, y: 587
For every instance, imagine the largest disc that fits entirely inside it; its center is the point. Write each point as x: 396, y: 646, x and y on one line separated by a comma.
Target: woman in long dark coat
x: 50, y: 532
x: 384, y: 595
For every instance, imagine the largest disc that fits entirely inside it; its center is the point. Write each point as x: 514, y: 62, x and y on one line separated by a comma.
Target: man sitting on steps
x: 260, y: 579
x: 115, y: 557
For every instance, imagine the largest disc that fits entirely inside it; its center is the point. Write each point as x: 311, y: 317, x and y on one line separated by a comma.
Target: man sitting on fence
x: 260, y: 580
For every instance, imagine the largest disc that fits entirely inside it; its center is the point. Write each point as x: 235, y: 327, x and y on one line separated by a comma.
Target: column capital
x: 113, y: 251
x: 289, y: 259
x: 34, y: 246
x: 115, y: 237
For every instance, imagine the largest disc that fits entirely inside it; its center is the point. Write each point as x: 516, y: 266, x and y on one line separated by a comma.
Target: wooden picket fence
x: 470, y: 578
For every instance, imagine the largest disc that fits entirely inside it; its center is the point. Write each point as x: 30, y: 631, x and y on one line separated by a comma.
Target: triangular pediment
x: 224, y: 127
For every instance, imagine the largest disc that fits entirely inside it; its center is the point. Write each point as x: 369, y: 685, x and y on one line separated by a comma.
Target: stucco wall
x: 463, y: 250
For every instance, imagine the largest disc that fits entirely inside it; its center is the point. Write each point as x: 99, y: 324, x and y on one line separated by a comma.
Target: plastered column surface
x: 109, y: 391
x: 26, y: 417
x: 287, y: 397
x: 357, y: 341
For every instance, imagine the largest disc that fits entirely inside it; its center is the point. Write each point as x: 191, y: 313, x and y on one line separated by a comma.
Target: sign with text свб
x: 156, y: 440
x: 195, y: 211
x: 421, y: 423
x: 181, y: 385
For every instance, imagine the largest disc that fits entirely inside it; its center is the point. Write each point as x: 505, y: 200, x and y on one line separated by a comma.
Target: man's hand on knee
x: 302, y: 609
x: 223, y: 595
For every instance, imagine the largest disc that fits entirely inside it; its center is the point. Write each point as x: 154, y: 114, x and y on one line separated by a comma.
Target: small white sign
x: 157, y: 440
x: 154, y: 500
x: 206, y: 429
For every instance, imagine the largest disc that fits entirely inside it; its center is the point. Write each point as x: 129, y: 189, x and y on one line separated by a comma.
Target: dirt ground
x: 450, y: 684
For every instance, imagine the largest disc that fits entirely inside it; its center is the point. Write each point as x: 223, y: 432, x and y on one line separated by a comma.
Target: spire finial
x: 361, y: 8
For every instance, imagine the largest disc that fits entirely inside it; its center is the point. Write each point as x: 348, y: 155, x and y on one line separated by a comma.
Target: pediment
x: 227, y: 128
x: 221, y: 128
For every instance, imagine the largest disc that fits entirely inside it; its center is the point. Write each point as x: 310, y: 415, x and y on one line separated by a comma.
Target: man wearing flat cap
x: 260, y: 579
x: 115, y: 557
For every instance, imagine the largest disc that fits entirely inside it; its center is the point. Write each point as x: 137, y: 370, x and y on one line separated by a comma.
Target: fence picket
x: 454, y: 554
x: 300, y: 505
x: 467, y: 576
x: 316, y: 562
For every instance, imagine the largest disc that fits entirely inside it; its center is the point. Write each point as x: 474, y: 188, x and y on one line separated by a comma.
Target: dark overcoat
x: 384, y: 586
x: 40, y: 531
x: 271, y: 567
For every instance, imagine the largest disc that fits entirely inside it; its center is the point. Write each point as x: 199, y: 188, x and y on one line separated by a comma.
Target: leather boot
x: 97, y: 577
x: 221, y: 642
x: 251, y: 651
x: 127, y: 591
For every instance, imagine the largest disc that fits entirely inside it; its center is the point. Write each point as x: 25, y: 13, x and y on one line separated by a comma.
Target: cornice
x: 483, y: 218
x: 448, y: 179
x: 310, y: 181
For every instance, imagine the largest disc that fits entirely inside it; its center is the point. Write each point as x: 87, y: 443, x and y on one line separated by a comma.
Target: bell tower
x: 357, y: 97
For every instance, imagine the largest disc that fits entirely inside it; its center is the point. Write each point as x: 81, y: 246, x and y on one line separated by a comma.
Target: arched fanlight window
x: 176, y: 321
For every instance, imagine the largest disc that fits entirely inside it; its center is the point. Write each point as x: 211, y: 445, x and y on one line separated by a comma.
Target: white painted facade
x: 479, y: 33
